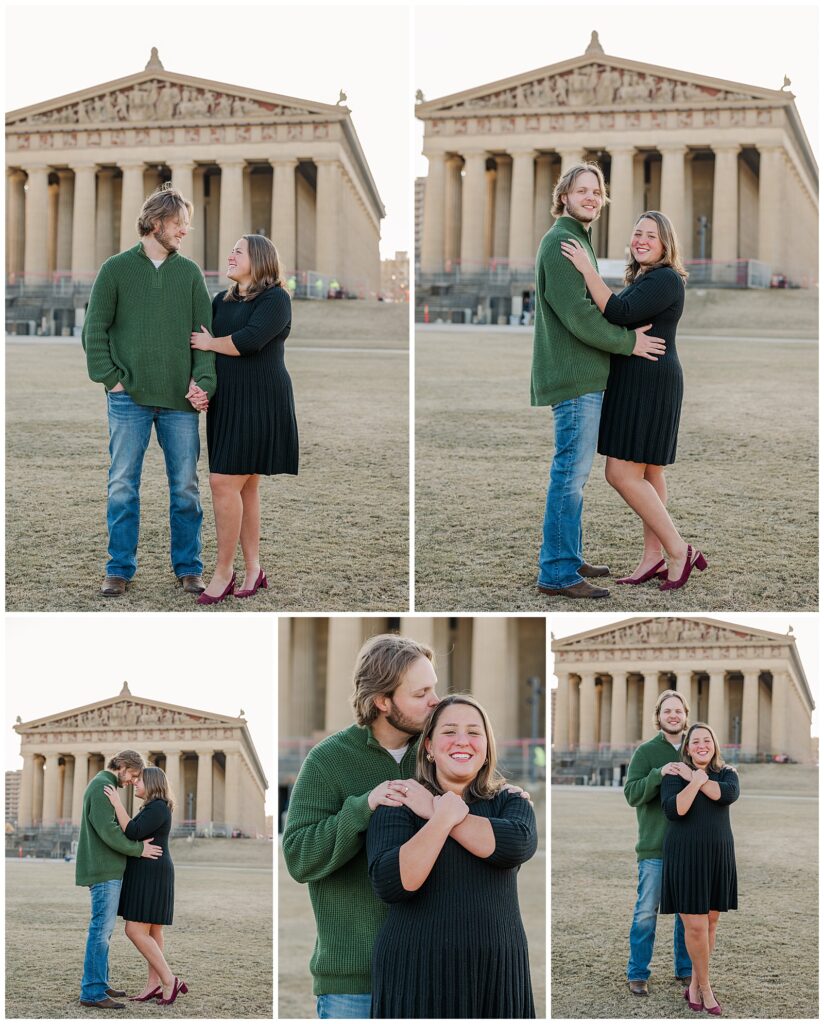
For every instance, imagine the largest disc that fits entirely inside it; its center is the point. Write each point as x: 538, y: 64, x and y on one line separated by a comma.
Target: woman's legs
x: 140, y: 934
x: 250, y: 529
x: 228, y: 506
x: 696, y: 934
x: 643, y: 488
x: 156, y: 932
x: 713, y: 927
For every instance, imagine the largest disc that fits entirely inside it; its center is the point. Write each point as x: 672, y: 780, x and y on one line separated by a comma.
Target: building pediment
x: 670, y: 632
x: 595, y: 82
x: 125, y: 712
x: 154, y: 97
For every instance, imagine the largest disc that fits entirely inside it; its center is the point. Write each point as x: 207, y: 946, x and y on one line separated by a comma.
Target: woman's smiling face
x: 458, y: 746
x: 646, y: 245
x: 701, y: 747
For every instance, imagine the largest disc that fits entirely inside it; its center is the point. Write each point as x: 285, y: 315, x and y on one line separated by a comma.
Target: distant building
x: 395, y: 278
x: 13, y: 795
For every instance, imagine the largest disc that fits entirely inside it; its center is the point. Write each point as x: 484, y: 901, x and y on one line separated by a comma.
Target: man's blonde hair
x: 566, y: 182
x: 665, y: 696
x: 164, y: 204
x: 126, y: 759
x: 380, y: 664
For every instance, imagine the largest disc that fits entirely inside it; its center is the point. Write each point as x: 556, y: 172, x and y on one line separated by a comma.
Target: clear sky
x: 311, y: 52
x: 748, y: 43
x: 804, y: 624
x: 218, y: 663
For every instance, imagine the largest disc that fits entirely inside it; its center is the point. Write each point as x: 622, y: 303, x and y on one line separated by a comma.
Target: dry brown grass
x: 745, y: 486
x: 765, y: 963
x: 333, y: 538
x: 220, y: 943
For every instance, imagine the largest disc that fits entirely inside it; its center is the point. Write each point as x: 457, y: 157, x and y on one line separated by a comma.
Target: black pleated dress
x: 148, y: 890
x: 699, y: 854
x: 642, y: 402
x: 456, y: 948
x: 251, y: 425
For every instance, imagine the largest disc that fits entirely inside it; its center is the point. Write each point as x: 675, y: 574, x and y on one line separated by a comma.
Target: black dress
x: 699, y: 854
x: 642, y: 402
x: 148, y: 890
x: 456, y: 947
x: 251, y: 425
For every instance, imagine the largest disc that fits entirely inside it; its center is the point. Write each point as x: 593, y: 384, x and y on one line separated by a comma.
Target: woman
x: 250, y: 425
x: 453, y: 944
x: 642, y: 403
x: 699, y: 879
x: 148, y: 891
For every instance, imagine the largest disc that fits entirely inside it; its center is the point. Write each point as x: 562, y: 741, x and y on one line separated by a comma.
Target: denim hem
x: 560, y: 586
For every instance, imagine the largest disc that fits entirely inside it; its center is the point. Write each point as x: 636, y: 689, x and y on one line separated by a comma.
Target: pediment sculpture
x: 666, y: 631
x: 124, y: 713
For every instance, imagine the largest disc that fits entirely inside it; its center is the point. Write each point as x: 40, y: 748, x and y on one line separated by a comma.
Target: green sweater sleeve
x: 566, y: 292
x: 99, y: 318
x: 104, y: 822
x: 203, y: 363
x: 321, y: 835
x: 643, y: 782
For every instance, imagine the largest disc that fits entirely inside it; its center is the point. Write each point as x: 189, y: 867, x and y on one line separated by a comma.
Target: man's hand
x: 385, y: 793
x: 197, y: 397
x: 510, y: 788
x: 414, y: 796
x: 151, y: 852
x: 117, y: 387
x: 648, y: 347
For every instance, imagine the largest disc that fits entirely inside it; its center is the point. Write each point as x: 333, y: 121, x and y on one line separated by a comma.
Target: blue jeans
x: 130, y: 430
x: 644, y: 919
x: 576, y: 438
x: 350, y: 1007
x: 105, y: 898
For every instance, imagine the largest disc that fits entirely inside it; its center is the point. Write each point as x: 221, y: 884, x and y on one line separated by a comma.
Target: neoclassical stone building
x: 729, y: 163
x: 78, y: 168
x: 748, y: 684
x: 210, y: 760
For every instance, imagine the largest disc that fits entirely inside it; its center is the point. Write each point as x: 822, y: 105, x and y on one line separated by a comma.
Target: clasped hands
x: 410, y: 793
x: 689, y: 774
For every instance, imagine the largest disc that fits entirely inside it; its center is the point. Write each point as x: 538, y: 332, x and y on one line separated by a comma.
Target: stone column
x: 434, y: 632
x: 432, y: 242
x: 569, y: 157
x: 232, y: 800
x: 284, y: 213
x: 198, y: 235
x: 586, y: 734
x: 749, y: 713
x: 473, y: 200
x: 183, y: 181
x: 650, y: 700
x: 452, y: 212
x: 683, y: 684
x: 672, y: 186
x: 37, y: 789
x: 24, y: 813
x: 231, y: 208
x: 621, y: 192
x: 104, y: 231
x: 618, y: 723
x: 780, y: 698
x: 83, y: 221
x: 543, y: 198
x: 65, y: 203
x: 715, y: 713
x: 725, y: 203
x: 328, y: 218
x: 495, y: 670
x: 51, y: 244
x: 560, y: 718
x: 303, y: 678
x: 132, y: 197
x: 344, y: 641
x: 15, y: 220
x: 50, y: 808
x: 37, y: 221
x: 204, y: 789
x: 503, y: 198
x: 173, y: 774
x: 522, y: 210
x: 770, y: 222
x: 79, y: 782
x: 68, y: 785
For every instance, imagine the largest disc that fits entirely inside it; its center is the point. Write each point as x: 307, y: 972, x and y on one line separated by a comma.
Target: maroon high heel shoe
x: 144, y: 999
x: 694, y: 560
x: 206, y: 599
x: 179, y: 988
x: 716, y: 1010
x: 695, y: 1007
x: 655, y: 571
x: 259, y: 584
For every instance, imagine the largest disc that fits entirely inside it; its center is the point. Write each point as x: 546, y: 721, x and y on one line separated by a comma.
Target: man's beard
x: 678, y: 731
x: 574, y: 209
x: 398, y: 720
x: 161, y: 236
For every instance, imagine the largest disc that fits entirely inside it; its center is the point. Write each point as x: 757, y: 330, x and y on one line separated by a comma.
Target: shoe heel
x: 700, y: 562
x: 264, y: 584
x: 184, y: 988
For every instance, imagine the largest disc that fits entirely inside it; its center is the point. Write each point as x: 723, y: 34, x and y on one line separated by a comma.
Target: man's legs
x: 130, y: 427
x: 105, y: 898
x: 576, y: 438
x: 178, y: 436
x: 644, y: 919
x: 683, y: 964
x: 350, y: 1007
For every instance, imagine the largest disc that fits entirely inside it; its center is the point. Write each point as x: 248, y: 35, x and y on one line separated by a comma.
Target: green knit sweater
x: 102, y: 848
x: 642, y: 790
x: 138, y: 325
x: 572, y: 340
x: 324, y: 844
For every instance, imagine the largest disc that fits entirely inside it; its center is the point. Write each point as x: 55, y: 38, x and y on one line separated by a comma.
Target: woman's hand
x: 683, y: 770
x: 112, y: 795
x: 574, y: 252
x: 700, y: 776
x: 450, y: 809
x: 201, y: 340
x: 415, y: 796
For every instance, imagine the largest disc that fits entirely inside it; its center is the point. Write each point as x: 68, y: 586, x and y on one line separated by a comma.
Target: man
x: 650, y: 762
x: 144, y: 305
x: 101, y: 860
x: 570, y: 365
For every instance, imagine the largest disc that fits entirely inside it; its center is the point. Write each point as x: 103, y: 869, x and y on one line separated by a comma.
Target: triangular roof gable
x: 665, y: 631
x: 483, y: 96
x: 194, y: 715
x: 270, y: 103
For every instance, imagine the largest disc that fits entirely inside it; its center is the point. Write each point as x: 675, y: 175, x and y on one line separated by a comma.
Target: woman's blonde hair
x: 166, y: 203
x: 488, y: 781
x: 157, y: 786
x: 265, y: 264
x: 670, y: 257
x: 717, y: 761
x: 566, y: 182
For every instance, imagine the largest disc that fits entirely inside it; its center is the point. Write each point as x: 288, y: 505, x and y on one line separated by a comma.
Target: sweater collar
x: 140, y: 251
x: 575, y: 227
